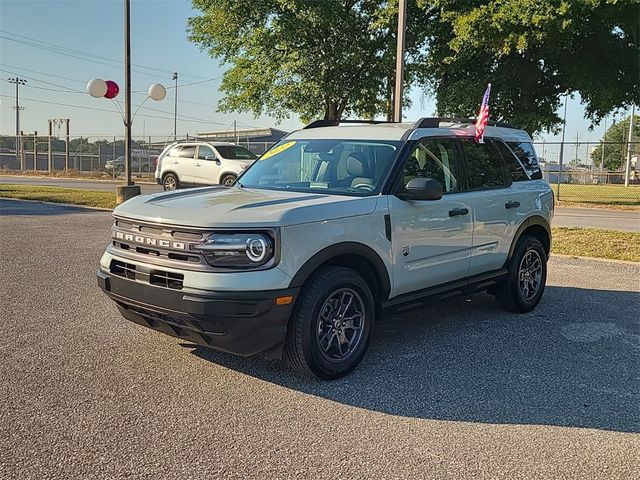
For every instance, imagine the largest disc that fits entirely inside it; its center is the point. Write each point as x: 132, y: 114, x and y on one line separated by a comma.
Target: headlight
x: 237, y: 250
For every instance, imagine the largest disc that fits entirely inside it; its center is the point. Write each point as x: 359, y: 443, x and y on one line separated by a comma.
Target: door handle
x: 197, y: 164
x: 458, y: 211
x: 511, y: 204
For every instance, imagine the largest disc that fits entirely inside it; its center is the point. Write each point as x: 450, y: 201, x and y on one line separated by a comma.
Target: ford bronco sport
x: 330, y: 227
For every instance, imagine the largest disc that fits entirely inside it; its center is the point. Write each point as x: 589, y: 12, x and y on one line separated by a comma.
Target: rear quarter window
x: 527, y: 155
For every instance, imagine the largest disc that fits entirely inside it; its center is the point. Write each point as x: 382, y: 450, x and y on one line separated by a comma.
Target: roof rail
x: 434, y: 122
x: 335, y: 123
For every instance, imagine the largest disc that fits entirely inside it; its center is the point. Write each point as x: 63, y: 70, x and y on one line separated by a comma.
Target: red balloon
x: 112, y: 89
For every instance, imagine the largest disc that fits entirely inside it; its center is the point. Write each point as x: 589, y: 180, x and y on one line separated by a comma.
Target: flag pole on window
x: 483, y: 116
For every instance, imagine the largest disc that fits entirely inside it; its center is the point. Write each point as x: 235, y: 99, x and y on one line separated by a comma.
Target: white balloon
x: 97, y: 87
x: 157, y: 92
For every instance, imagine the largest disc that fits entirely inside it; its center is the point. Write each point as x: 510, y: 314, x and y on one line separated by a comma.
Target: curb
x: 597, y: 259
x: 75, y: 205
x: 75, y: 179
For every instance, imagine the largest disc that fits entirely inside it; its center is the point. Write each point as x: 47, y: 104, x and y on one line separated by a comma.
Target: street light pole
x: 127, y: 92
x: 397, y: 98
x: 175, y: 107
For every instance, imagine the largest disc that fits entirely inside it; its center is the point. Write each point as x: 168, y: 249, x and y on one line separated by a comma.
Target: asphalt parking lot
x: 455, y: 390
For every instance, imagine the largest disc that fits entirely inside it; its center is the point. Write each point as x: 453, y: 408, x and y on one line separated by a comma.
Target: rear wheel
x: 228, y: 180
x: 524, y: 286
x: 329, y: 331
x: 170, y: 182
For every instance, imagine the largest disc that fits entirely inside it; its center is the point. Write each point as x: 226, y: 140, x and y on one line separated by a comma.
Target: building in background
x: 258, y: 140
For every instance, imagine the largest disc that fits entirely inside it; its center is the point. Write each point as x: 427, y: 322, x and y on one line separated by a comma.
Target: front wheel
x: 228, y: 180
x: 329, y: 331
x: 522, y: 290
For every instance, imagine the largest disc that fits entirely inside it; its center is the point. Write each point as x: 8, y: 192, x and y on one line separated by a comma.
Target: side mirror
x: 422, y: 189
x: 210, y: 157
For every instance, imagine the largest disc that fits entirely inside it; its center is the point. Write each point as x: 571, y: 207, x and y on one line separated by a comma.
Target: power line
x: 34, y: 42
x: 43, y: 73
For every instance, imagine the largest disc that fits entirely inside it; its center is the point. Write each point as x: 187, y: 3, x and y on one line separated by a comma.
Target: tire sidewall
x: 164, y: 180
x: 320, y: 365
x: 225, y: 177
x: 525, y: 245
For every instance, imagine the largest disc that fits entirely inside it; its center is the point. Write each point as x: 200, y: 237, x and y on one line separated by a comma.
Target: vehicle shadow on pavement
x: 573, y: 362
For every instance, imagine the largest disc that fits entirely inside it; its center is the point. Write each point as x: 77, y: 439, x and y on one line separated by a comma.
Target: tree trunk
x: 332, y: 111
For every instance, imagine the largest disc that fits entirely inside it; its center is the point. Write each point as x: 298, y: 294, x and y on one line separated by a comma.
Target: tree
x: 532, y: 51
x: 315, y: 58
x: 615, y: 152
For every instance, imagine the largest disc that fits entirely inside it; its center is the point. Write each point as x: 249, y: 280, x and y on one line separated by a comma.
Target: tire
x: 145, y: 168
x: 170, y: 182
x: 522, y: 290
x: 228, y: 180
x: 317, y: 342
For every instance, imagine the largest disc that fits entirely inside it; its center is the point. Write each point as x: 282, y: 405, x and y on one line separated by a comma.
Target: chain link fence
x: 582, y: 172
x: 592, y: 173
x: 84, y: 156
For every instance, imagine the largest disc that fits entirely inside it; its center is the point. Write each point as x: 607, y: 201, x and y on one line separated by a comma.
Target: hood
x: 241, y: 207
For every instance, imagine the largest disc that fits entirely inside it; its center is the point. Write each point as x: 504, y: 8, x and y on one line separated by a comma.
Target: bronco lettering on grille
x: 154, y: 242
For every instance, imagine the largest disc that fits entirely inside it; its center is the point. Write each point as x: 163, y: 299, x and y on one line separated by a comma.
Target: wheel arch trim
x: 529, y: 222
x: 356, y: 249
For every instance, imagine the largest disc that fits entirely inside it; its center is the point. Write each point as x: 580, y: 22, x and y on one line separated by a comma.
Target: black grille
x: 122, y: 269
x: 166, y: 279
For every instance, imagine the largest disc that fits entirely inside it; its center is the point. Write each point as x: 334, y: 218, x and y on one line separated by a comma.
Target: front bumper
x: 244, y: 323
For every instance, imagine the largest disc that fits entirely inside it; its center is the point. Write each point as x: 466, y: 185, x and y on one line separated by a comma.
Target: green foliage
x: 532, y: 51
x: 316, y: 58
x: 334, y: 58
x: 615, y: 154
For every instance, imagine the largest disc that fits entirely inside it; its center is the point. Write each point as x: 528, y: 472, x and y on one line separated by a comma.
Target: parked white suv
x: 192, y: 164
x: 329, y: 228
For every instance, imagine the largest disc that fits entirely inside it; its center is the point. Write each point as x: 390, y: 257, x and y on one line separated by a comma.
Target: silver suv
x: 191, y: 164
x: 330, y: 228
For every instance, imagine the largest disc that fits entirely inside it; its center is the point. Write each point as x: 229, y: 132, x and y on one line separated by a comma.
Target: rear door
x: 183, y: 165
x: 431, y: 240
x: 494, y: 201
x: 206, y: 169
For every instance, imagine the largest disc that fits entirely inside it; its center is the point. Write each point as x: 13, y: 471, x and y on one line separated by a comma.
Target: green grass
x: 59, y: 195
x: 598, y: 194
x: 593, y: 242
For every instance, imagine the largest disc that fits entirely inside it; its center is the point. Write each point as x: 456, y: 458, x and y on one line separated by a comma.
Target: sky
x: 59, y: 45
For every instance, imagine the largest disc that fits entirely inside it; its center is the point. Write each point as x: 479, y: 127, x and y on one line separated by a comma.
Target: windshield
x: 234, y: 152
x: 346, y: 167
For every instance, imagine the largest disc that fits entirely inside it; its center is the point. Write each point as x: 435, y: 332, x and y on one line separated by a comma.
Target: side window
x: 174, y: 152
x: 204, y: 152
x: 187, y: 151
x: 527, y: 155
x: 514, y: 166
x: 434, y: 158
x: 484, y: 165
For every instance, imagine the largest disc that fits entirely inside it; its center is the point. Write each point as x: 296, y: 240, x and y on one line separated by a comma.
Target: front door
x: 431, y: 239
x: 206, y: 169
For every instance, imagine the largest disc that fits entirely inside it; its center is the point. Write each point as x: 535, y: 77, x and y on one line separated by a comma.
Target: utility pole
x: 397, y: 98
x: 627, y: 170
x: 66, y: 147
x: 49, y: 152
x: 564, y: 127
x: 175, y: 107
x: 18, y: 81
x: 35, y: 151
x: 604, y: 138
x: 22, y: 160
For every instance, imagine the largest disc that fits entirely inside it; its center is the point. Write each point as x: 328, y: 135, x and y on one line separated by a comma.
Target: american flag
x: 483, y: 116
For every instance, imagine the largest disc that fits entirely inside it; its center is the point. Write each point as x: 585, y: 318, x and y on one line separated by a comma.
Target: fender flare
x: 528, y: 222
x: 345, y: 248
